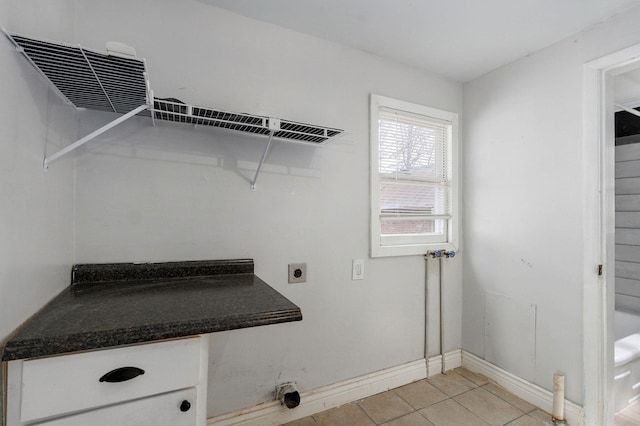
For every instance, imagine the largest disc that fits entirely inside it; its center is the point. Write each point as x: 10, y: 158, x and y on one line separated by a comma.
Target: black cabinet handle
x: 122, y: 374
x: 185, y: 406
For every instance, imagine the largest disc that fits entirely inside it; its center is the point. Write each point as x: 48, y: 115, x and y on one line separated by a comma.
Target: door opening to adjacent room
x: 601, y: 100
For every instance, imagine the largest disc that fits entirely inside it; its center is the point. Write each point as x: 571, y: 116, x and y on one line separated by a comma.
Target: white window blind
x: 412, y: 146
x: 412, y: 196
x: 412, y: 162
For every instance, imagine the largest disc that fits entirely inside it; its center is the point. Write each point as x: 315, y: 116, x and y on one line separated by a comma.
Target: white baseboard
x: 452, y: 360
x: 533, y: 394
x: 326, y: 397
x: 434, y: 365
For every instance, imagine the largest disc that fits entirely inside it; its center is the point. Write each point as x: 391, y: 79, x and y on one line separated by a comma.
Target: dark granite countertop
x: 118, y: 304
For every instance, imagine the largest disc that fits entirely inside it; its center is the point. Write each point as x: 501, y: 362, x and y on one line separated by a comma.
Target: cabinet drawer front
x: 71, y: 383
x: 159, y: 410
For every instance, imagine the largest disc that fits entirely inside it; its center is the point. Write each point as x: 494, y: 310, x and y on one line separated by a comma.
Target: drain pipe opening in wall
x: 288, y: 394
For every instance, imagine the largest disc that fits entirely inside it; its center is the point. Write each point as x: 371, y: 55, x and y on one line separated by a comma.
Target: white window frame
x: 412, y: 245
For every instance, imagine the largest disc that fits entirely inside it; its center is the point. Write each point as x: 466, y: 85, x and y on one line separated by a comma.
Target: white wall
x: 523, y: 204
x: 174, y: 192
x: 36, y: 212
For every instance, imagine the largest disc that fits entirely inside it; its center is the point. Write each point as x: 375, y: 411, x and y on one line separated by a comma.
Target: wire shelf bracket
x: 48, y: 160
x: 274, y: 126
x: 264, y: 156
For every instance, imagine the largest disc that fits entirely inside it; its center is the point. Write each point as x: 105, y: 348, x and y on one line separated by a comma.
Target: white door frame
x: 599, y: 231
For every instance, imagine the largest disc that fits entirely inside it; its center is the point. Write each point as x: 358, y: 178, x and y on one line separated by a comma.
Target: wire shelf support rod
x: 48, y: 160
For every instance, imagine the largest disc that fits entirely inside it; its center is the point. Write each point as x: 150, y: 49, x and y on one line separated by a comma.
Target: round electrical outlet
x: 297, y: 272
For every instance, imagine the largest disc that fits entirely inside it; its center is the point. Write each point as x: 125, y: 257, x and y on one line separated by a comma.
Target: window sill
x: 409, y: 249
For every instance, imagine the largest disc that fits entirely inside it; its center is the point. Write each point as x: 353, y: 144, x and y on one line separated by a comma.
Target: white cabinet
x: 156, y: 383
x: 160, y: 410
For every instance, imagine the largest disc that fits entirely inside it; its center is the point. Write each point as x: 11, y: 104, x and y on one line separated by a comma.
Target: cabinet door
x: 170, y: 409
x: 59, y: 385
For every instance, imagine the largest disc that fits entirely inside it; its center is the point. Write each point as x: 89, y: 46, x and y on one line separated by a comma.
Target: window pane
x: 407, y: 198
x: 409, y: 146
x: 412, y: 227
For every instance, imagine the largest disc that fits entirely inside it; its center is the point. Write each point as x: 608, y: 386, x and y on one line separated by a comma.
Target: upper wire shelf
x: 86, y: 78
x: 101, y: 81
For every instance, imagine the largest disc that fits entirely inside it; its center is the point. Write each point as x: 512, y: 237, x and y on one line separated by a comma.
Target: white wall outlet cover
x: 297, y: 273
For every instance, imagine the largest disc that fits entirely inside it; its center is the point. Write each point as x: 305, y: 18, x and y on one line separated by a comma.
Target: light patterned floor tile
x: 528, y: 420
x: 420, y: 394
x: 488, y: 407
x: 621, y: 420
x: 413, y: 419
x: 520, y: 404
x: 305, y: 421
x: 450, y: 413
x: 478, y: 379
x: 451, y: 383
x: 347, y: 415
x: 384, y: 407
x: 628, y: 416
x: 635, y: 407
x: 540, y: 415
x: 632, y: 412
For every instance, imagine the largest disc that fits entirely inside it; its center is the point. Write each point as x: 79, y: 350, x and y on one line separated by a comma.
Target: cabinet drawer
x: 159, y: 410
x: 71, y: 383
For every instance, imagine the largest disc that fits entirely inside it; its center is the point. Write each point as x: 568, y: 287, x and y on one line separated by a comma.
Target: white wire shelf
x: 99, y: 81
x: 171, y: 110
x: 86, y: 78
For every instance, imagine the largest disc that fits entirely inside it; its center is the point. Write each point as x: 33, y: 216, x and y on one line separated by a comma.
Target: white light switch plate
x: 357, y: 269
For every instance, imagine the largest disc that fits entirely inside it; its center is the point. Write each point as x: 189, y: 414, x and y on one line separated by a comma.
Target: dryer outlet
x: 297, y: 273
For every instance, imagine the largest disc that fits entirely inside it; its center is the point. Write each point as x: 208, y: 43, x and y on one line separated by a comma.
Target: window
x: 414, y: 197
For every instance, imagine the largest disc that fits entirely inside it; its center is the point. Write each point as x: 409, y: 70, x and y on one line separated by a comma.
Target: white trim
x: 326, y: 397
x: 434, y: 366
x: 13, y: 401
x: 598, y: 291
x: 452, y: 359
x: 594, y: 329
x: 523, y: 389
x: 203, y: 380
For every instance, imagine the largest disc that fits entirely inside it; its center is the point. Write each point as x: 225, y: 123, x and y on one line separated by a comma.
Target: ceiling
x: 459, y: 39
x: 627, y: 88
x: 627, y: 93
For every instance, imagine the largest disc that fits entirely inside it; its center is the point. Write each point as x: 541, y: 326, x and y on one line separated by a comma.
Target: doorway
x: 599, y: 231
x: 626, y: 317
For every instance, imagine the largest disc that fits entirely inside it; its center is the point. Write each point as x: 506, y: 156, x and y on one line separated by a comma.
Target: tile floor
x: 630, y: 416
x: 458, y: 398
